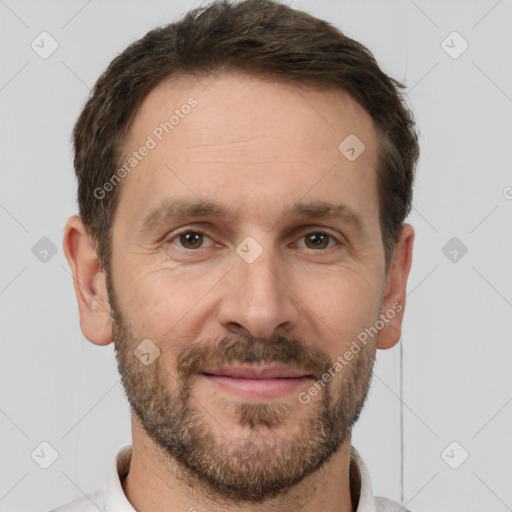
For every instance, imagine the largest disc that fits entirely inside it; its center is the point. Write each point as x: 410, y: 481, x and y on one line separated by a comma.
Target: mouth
x: 257, y: 382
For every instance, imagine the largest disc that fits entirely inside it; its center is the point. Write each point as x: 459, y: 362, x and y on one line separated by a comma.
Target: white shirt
x: 111, y: 497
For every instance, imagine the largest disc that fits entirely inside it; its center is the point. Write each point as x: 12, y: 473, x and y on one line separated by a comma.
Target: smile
x: 257, y: 382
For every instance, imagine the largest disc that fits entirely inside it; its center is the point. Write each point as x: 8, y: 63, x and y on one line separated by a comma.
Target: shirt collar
x: 116, y: 500
x: 357, y: 466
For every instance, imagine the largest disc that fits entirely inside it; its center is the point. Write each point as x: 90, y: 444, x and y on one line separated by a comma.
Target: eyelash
x: 200, y: 232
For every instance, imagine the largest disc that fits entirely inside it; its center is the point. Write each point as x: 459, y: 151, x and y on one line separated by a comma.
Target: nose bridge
x: 259, y: 278
x: 257, y: 298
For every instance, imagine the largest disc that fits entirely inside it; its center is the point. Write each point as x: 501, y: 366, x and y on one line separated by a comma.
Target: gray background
x: 448, y: 381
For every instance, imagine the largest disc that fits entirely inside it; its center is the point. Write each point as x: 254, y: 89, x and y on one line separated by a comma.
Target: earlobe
x: 393, y: 304
x: 89, y: 282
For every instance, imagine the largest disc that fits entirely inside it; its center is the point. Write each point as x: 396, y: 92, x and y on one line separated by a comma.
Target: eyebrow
x: 175, y: 209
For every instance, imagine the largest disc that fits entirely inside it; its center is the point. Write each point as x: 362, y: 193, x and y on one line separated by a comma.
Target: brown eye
x: 317, y: 240
x: 191, y: 239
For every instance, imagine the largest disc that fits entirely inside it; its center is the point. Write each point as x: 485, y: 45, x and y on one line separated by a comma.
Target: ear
x: 393, y: 304
x: 89, y: 282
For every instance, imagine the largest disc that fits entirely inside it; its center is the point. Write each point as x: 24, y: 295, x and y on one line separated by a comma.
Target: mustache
x: 246, y: 349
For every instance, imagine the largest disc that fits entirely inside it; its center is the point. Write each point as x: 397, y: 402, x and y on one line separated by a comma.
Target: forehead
x: 250, y: 105
x: 261, y: 140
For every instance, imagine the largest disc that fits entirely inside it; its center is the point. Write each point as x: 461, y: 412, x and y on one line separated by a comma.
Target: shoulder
x: 92, y: 502
x: 385, y: 505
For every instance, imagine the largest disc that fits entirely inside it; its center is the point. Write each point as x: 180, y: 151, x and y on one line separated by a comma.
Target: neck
x: 155, y: 483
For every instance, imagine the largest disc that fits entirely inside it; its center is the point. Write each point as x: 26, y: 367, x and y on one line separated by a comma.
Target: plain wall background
x: 448, y: 380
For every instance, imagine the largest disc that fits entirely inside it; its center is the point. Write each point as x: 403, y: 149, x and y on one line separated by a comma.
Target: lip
x: 268, y: 382
x: 255, y: 372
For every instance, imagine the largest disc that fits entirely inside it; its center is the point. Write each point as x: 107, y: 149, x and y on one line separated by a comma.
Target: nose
x: 258, y: 299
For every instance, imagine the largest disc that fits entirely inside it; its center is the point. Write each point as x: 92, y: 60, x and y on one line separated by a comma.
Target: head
x: 244, y: 175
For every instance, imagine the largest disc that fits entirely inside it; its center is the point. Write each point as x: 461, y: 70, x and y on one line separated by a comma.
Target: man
x: 243, y: 179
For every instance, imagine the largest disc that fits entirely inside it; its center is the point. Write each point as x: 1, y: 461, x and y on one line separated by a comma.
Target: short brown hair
x: 257, y: 37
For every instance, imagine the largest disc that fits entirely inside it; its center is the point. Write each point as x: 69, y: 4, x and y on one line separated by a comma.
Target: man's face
x: 251, y: 306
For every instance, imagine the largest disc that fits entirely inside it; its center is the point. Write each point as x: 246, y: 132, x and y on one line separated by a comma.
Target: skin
x: 259, y: 147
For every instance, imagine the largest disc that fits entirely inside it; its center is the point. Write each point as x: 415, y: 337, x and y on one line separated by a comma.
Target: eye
x: 318, y: 240
x: 190, y: 239
x: 194, y: 239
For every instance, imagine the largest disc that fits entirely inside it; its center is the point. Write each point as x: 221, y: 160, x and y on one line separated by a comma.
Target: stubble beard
x: 267, y: 461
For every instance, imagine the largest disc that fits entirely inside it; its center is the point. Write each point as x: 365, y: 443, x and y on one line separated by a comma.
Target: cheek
x: 164, y: 308
x: 344, y: 306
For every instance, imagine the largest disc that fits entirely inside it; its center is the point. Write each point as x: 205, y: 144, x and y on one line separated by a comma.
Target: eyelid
x: 301, y: 233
